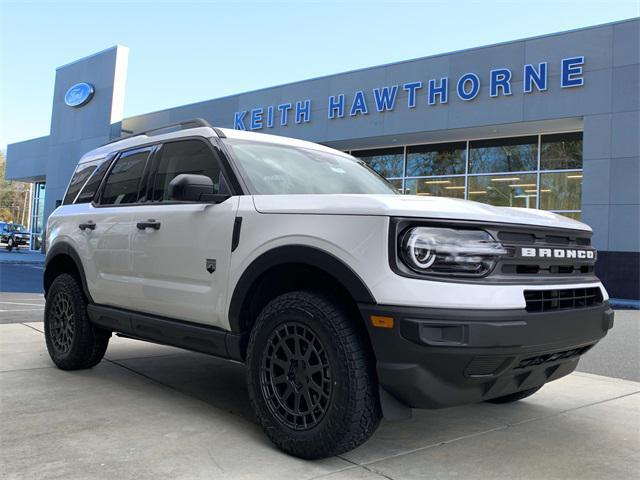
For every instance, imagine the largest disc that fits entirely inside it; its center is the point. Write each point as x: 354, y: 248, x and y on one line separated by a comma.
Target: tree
x: 14, y: 197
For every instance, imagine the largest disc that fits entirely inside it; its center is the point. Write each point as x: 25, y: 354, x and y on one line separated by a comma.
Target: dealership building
x: 549, y: 122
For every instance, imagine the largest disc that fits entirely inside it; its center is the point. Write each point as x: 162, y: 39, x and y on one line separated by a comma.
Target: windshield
x: 17, y: 228
x: 272, y: 169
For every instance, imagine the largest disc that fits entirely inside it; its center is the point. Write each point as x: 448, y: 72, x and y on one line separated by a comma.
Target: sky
x: 185, y: 52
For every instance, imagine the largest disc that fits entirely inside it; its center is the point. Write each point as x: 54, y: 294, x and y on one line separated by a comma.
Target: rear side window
x: 82, y: 173
x: 91, y: 187
x: 123, y: 182
x: 188, y: 156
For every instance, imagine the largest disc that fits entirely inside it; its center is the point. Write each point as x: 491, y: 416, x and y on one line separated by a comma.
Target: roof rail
x: 172, y: 127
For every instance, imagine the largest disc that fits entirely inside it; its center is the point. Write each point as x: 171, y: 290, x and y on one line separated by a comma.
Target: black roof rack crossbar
x: 172, y: 127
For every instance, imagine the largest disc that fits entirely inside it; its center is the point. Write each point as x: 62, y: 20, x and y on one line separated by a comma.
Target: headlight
x: 449, y: 251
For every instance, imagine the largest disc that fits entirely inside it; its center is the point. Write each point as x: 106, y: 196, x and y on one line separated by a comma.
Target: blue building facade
x: 549, y: 122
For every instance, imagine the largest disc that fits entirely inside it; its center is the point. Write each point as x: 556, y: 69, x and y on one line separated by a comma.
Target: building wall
x: 74, y: 131
x: 605, y: 107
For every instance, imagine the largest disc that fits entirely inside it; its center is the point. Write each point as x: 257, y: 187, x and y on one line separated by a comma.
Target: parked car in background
x: 13, y: 235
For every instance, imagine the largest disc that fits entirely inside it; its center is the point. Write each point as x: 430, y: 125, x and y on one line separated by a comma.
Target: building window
x: 388, y: 162
x: 37, y: 214
x: 560, y: 191
x: 561, y: 151
x: 537, y: 171
x: 505, y: 190
x: 396, y: 182
x: 438, y: 186
x: 436, y: 159
x: 517, y: 154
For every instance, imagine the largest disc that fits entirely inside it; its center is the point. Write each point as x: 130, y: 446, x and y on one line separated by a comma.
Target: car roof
x: 199, y: 130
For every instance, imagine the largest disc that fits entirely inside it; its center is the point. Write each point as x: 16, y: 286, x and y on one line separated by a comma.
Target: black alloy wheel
x: 311, y: 375
x: 63, y: 323
x: 72, y: 340
x: 296, y: 377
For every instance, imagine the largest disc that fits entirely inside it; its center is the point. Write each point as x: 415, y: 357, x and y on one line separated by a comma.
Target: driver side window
x: 187, y: 156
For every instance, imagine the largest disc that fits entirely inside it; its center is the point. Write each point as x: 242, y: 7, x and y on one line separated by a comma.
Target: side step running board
x: 166, y: 331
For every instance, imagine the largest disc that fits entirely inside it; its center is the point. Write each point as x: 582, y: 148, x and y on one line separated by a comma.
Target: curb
x: 22, y: 262
x: 624, y: 304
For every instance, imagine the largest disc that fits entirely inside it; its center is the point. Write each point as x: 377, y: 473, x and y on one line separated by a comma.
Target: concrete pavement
x: 149, y: 411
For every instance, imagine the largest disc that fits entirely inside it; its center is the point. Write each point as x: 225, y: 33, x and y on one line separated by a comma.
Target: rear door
x: 181, y: 251
x: 105, y: 228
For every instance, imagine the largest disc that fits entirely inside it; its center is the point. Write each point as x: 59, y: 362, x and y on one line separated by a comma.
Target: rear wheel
x: 72, y: 341
x: 514, y: 397
x: 311, y: 379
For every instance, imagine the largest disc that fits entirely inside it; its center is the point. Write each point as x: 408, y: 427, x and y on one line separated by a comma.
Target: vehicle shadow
x: 222, y: 385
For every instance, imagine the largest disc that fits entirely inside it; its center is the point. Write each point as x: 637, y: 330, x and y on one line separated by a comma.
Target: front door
x: 181, y: 251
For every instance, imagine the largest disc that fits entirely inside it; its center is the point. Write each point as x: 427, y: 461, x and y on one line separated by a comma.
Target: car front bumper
x: 434, y: 358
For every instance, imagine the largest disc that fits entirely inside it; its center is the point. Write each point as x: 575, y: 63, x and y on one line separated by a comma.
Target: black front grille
x: 568, y: 298
x: 541, y: 238
x: 535, y: 269
x: 552, y: 357
x: 486, y: 365
x: 515, y: 264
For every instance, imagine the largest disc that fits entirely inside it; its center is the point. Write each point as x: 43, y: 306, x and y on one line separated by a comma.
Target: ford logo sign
x: 79, y: 94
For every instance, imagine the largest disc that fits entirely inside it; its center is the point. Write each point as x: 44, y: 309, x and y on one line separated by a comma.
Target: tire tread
x: 360, y: 417
x: 90, y: 342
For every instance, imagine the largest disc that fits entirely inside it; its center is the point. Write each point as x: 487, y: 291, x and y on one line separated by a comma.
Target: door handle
x: 90, y: 225
x: 151, y: 223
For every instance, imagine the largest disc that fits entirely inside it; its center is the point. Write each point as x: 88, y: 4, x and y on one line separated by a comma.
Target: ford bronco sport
x: 346, y: 300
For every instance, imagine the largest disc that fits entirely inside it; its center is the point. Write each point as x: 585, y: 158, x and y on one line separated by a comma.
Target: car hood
x: 410, y: 206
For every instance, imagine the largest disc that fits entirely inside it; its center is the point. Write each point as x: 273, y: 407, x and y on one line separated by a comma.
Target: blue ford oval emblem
x: 79, y: 94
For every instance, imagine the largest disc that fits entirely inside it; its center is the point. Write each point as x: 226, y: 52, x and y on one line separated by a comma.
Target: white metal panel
x: 411, y: 206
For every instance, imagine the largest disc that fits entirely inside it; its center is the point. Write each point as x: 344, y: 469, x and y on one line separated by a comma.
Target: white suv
x: 345, y: 299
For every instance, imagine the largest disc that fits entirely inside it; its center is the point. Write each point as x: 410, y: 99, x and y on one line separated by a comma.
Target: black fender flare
x: 64, y: 248
x: 300, y: 254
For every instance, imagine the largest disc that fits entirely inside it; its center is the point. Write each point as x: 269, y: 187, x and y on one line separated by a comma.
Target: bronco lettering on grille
x: 533, y: 252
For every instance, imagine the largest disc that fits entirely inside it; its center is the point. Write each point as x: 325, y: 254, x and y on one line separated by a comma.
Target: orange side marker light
x: 381, y: 322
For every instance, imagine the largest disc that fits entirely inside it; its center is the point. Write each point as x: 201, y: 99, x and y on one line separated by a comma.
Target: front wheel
x: 72, y: 341
x: 10, y: 244
x: 311, y: 378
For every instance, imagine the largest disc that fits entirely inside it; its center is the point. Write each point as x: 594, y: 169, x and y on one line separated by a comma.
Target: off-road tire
x: 352, y: 410
x: 514, y: 397
x: 84, y: 343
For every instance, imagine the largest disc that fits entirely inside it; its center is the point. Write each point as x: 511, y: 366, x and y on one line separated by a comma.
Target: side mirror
x: 194, y: 188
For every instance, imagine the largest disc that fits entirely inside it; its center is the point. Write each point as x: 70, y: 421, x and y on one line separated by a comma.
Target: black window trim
x: 155, y: 164
x: 95, y: 164
x: 217, y: 148
x: 97, y: 198
x: 108, y: 160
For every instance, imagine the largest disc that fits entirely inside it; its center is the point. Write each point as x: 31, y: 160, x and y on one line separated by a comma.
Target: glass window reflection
x: 503, y: 155
x: 388, y: 162
x: 439, y: 187
x: 561, y: 151
x: 560, y: 191
x: 504, y: 190
x: 436, y: 159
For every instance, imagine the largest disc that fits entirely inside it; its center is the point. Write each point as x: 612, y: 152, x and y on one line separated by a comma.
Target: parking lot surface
x: 149, y: 411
